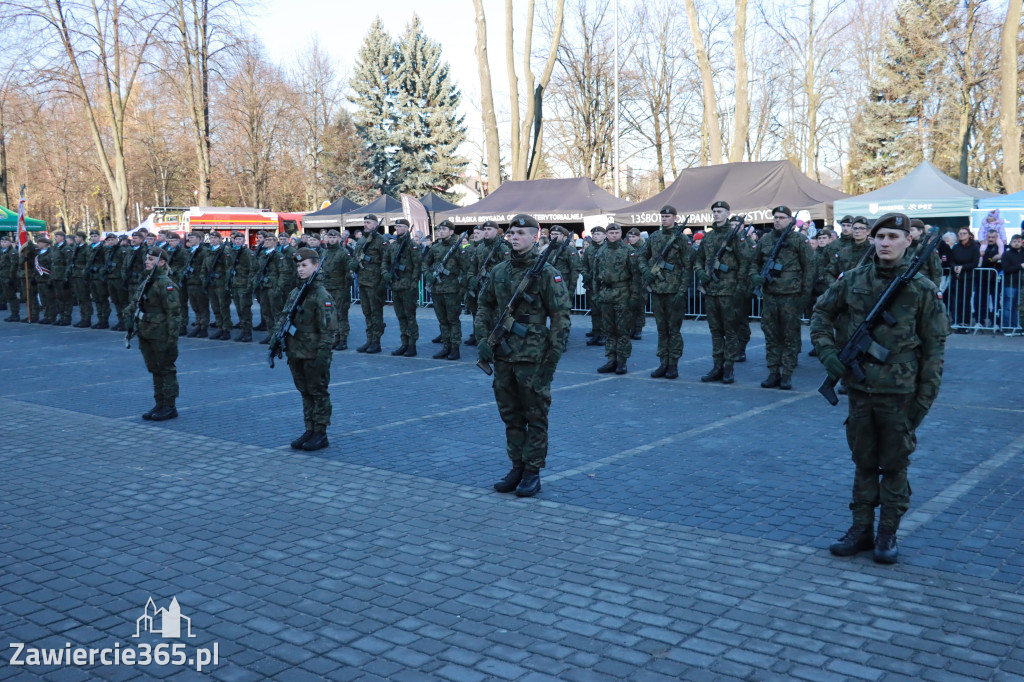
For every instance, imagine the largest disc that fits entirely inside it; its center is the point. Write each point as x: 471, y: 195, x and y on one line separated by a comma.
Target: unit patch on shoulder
x: 558, y: 278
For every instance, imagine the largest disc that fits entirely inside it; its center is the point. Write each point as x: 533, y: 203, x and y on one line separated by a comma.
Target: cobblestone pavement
x: 681, y: 533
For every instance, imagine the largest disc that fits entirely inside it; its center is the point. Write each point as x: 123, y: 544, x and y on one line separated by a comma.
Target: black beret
x: 80, y: 234
x: 490, y: 223
x: 669, y: 210
x: 110, y: 235
x: 524, y: 220
x: 333, y: 233
x: 313, y: 235
x: 43, y: 238
x: 783, y: 209
x: 94, y: 232
x: 371, y: 216
x: 306, y: 254
x: 633, y: 233
x: 402, y: 221
x: 891, y: 221
x: 918, y: 223
x: 598, y: 229
x: 738, y: 218
x: 846, y: 219
x: 446, y: 223
x: 613, y: 226
x: 721, y: 204
x: 158, y: 252
x: 173, y: 235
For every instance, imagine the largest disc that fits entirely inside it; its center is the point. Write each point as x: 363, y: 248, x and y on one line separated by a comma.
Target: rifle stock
x: 276, y: 348
x: 772, y: 266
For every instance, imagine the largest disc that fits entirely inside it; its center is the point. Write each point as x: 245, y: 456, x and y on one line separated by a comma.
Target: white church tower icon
x: 163, y: 622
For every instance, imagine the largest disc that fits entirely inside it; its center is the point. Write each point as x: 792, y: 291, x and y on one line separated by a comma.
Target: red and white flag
x: 22, y: 231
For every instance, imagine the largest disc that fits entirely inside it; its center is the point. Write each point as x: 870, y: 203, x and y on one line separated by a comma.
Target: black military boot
x: 673, y: 370
x: 620, y: 367
x: 607, y: 367
x: 13, y: 317
x: 437, y: 339
x: 590, y: 334
x: 595, y: 341
x: 318, y: 441
x: 772, y: 381
x: 82, y: 324
x: 530, y: 485
x: 101, y: 324
x: 714, y: 375
x: 164, y: 413
x: 341, y: 345
x: 786, y: 382
x: 297, y: 443
x: 813, y: 353
x: 194, y: 333
x: 400, y: 350
x: 635, y: 336
x: 362, y: 348
x: 742, y: 356
x: 245, y: 338
x: 886, y: 549
x: 45, y: 321
x: 149, y: 415
x: 661, y: 371
x: 728, y: 377
x: 265, y: 341
x: 224, y: 335
x: 511, y: 480
x: 410, y: 352
x: 860, y: 538
x: 261, y: 327
x: 441, y: 354
x: 471, y: 341
x: 372, y: 348
x: 453, y: 353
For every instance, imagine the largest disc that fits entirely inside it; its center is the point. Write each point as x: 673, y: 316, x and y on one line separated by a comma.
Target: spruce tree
x: 427, y: 128
x: 374, y: 85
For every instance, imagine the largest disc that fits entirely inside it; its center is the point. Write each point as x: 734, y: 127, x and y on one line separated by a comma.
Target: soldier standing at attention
x: 596, y: 333
x: 8, y: 278
x: 240, y: 279
x: 744, y: 294
x: 215, y: 271
x: 522, y: 377
x: 785, y: 297
x: 845, y: 236
x: 309, y: 351
x: 480, y: 260
x: 445, y: 289
x: 637, y: 303
x: 43, y: 264
x: 98, y: 278
x: 933, y: 268
x: 335, y: 276
x: 135, y: 261
x: 617, y: 275
x: 568, y: 263
x: 849, y: 252
x: 262, y: 262
x: 157, y: 328
x: 80, y: 280
x: 176, y: 259
x: 63, y: 258
x: 367, y: 260
x: 888, y: 406
x: 192, y: 280
x: 722, y: 289
x: 400, y: 270
x: 669, y: 282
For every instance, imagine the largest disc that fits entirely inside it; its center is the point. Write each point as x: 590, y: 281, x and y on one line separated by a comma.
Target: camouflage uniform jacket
x: 797, y: 260
x: 409, y: 255
x: 80, y: 259
x: 61, y: 256
x: 568, y: 264
x: 113, y: 260
x: 368, y: 257
x: 542, y: 343
x: 44, y: 260
x: 160, y: 307
x: 846, y: 257
x: 263, y: 267
x: 240, y: 270
x: 176, y: 263
x: 588, y: 266
x: 917, y: 341
x: 458, y: 264
x: 931, y: 269
x: 616, y: 272
x: 285, y: 273
x: 477, y: 264
x: 680, y: 255
x: 738, y: 256
x: 216, y: 264
x: 316, y: 324
x: 133, y: 264
x: 96, y: 255
x: 192, y: 268
x: 8, y: 264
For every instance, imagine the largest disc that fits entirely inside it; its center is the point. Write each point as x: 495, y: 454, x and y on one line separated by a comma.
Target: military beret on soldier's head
x: 861, y: 220
x: 668, y: 209
x: 524, y: 220
x: 80, y: 234
x: 94, y: 232
x: 446, y: 223
x: 236, y: 233
x: 333, y: 233
x: 783, y: 209
x: 60, y: 232
x: 918, y: 223
x: 633, y: 233
x: 173, y: 237
x: 306, y: 254
x: 597, y: 229
x: 142, y: 232
x: 613, y: 226
x: 158, y: 252
x: 110, y: 235
x: 891, y: 221
x: 490, y: 223
x: 43, y: 239
x: 721, y: 204
x: 371, y: 216
x: 846, y: 219
x: 401, y: 221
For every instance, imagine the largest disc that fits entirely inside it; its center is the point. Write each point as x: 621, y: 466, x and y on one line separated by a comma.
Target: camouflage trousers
x: 523, y: 403
x: 242, y: 298
x: 267, y: 313
x: 200, y: 303
x: 160, y: 356
x: 780, y: 322
x: 881, y: 443
x: 81, y: 287
x: 65, y: 299
x: 669, y: 319
x: 447, y: 308
x: 618, y: 319
x: 405, y: 302
x: 639, y: 314
x: 100, y: 299
x: 371, y: 298
x: 723, y: 323
x: 312, y: 383
x: 48, y: 294
x: 220, y: 305
x: 596, y: 318
x: 742, y: 304
x: 30, y: 296
x: 9, y: 294
x: 118, y: 297
x: 342, y: 298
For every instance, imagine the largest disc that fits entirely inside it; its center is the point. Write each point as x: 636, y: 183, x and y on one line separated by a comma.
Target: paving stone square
x: 681, y: 533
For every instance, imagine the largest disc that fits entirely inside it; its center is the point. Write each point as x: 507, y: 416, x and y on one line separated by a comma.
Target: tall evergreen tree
x: 428, y: 129
x: 374, y: 85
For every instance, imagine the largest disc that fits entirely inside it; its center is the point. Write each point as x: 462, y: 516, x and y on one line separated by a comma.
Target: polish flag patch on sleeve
x: 327, y: 304
x: 558, y: 278
x: 170, y: 288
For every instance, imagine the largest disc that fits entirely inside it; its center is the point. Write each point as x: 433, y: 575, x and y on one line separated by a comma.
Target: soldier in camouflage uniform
x: 522, y: 377
x: 721, y: 294
x: 216, y: 265
x: 888, y: 406
x: 784, y: 297
x: 481, y: 258
x: 335, y: 276
x: 400, y: 270
x: 637, y: 304
x: 263, y: 265
x: 309, y: 351
x: 850, y: 252
x: 157, y: 325
x: 568, y: 262
x: 617, y: 275
x: 26, y: 264
x: 368, y: 256
x: 192, y: 282
x: 80, y: 279
x: 96, y: 266
x: 744, y: 294
x: 44, y: 265
x: 446, y: 289
x: 62, y: 291
x: 134, y: 264
x: 597, y: 237
x: 669, y: 283
x: 933, y: 268
x: 845, y: 236
x: 239, y: 283
x: 176, y: 259
x: 8, y: 277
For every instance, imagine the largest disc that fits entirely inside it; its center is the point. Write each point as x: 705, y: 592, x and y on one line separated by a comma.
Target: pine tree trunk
x: 711, y: 123
x: 1013, y: 179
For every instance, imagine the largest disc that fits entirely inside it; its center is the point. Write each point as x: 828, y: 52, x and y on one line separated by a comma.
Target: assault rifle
x: 231, y: 271
x: 772, y: 266
x: 861, y: 343
x: 440, y: 271
x: 396, y: 265
x: 132, y: 322
x: 187, y: 270
x: 659, y: 262
x: 717, y: 265
x: 213, y: 269
x: 112, y: 259
x: 261, y: 277
x: 131, y: 263
x: 483, y: 274
x: 507, y: 323
x: 287, y: 327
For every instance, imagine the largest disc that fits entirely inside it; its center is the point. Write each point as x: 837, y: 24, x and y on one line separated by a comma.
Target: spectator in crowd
x: 964, y: 259
x: 1012, y: 259
x: 993, y: 223
x: 985, y: 303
